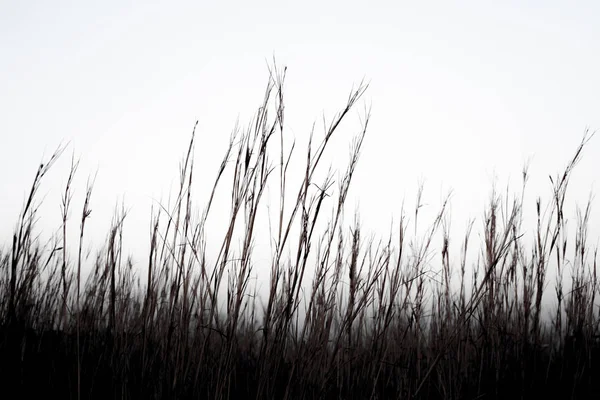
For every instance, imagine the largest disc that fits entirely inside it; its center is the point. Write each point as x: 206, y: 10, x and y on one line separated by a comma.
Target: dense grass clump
x: 344, y: 317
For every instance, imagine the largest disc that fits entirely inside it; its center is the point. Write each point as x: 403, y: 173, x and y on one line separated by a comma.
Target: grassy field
x: 376, y: 320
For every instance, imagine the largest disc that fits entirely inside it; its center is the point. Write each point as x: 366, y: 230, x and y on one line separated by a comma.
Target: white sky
x: 459, y: 93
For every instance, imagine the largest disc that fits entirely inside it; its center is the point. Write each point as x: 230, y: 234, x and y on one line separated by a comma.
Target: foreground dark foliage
x: 375, y: 320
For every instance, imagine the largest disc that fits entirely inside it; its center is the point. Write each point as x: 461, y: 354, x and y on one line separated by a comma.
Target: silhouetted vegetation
x: 376, y: 320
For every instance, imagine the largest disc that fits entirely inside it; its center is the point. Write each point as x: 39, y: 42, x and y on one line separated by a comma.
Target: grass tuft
x: 345, y: 316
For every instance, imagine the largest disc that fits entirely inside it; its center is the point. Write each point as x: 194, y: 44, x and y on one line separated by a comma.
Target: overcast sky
x: 460, y: 92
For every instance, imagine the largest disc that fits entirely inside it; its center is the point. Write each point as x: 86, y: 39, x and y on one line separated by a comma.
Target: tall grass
x: 344, y: 317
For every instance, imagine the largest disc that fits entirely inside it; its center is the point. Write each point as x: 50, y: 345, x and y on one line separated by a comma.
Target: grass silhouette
x: 372, y: 323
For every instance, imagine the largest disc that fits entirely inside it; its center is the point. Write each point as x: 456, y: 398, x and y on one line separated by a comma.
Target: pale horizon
x: 461, y: 97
